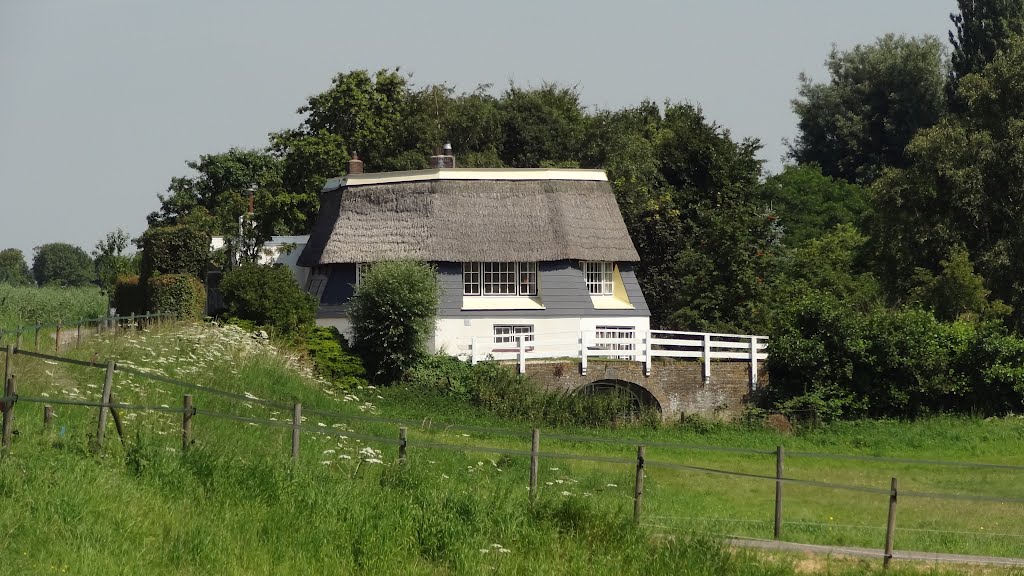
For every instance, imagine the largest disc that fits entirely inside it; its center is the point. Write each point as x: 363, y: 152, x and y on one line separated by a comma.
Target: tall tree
x: 963, y: 187
x: 62, y: 264
x: 983, y: 28
x: 541, y: 126
x: 879, y: 95
x: 217, y: 196
x: 111, y: 261
x: 13, y: 268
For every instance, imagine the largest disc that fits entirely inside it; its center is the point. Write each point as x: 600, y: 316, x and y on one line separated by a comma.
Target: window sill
x: 502, y: 303
x: 610, y: 303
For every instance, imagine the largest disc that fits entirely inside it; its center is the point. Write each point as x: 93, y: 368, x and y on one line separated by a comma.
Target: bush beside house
x: 267, y: 296
x: 180, y: 294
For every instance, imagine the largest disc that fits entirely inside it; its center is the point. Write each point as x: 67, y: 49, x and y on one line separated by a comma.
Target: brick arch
x: 641, y: 395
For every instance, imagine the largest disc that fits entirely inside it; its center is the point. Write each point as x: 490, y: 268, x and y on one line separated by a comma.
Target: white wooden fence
x: 641, y: 347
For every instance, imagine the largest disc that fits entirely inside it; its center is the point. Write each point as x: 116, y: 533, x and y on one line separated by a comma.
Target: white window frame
x: 507, y: 334
x: 600, y: 278
x: 615, y: 333
x: 361, y: 269
x: 500, y: 279
x: 472, y: 279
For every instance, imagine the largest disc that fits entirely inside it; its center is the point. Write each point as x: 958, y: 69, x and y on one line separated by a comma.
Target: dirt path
x: 874, y: 553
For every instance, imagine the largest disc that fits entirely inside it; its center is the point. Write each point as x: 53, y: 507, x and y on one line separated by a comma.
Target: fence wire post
x: 777, y: 532
x: 78, y: 336
x: 638, y: 488
x: 8, y: 364
x: 402, y: 443
x: 117, y: 419
x: 890, y: 527
x: 186, y: 422
x: 17, y: 340
x: 296, y: 423
x: 10, y: 391
x: 47, y: 417
x: 56, y: 339
x: 534, y: 462
x: 38, y: 326
x: 101, y: 427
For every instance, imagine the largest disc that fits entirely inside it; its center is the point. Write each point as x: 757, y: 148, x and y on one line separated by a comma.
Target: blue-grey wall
x: 563, y: 289
x: 340, y: 284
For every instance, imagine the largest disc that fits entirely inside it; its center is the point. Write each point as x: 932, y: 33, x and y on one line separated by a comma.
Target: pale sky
x: 102, y: 102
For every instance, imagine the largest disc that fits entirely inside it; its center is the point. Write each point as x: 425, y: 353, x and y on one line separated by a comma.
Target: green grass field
x: 25, y: 306
x: 236, y: 504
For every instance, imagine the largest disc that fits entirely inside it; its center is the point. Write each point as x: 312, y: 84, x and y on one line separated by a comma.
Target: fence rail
x: 190, y: 411
x: 622, y: 344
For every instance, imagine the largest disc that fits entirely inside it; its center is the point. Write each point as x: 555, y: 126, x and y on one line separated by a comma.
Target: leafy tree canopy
x: 62, y: 264
x: 879, y: 95
x: 809, y: 204
x: 983, y: 28
x: 13, y: 268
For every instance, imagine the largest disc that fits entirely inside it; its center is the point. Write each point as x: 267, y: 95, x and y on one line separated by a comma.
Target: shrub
x: 129, y: 295
x: 393, y: 314
x: 500, y: 390
x: 332, y: 358
x: 268, y: 296
x: 180, y: 294
x: 174, y: 250
x: 62, y: 265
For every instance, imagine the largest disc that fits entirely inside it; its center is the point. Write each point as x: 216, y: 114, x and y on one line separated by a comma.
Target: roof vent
x: 443, y: 158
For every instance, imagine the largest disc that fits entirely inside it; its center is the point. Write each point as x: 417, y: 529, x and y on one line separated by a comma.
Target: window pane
x: 499, y: 278
x: 599, y: 277
x: 471, y: 278
x: 528, y: 278
x: 510, y: 334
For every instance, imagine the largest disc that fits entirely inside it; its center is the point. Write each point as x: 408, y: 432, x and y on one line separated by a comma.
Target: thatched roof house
x: 518, y: 252
x: 467, y: 215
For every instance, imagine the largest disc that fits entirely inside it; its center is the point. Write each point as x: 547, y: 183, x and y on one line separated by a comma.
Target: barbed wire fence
x: 189, y: 410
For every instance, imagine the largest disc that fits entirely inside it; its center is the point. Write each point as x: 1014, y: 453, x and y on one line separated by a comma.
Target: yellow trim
x: 610, y: 303
x: 502, y: 303
x: 618, y: 300
x: 618, y: 287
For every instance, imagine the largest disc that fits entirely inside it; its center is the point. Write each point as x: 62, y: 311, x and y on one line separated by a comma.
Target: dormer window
x: 600, y: 278
x: 499, y: 278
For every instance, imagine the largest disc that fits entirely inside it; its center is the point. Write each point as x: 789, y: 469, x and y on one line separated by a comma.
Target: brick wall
x: 678, y: 385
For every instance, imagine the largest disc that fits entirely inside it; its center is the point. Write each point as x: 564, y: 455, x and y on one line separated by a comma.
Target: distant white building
x: 278, y: 250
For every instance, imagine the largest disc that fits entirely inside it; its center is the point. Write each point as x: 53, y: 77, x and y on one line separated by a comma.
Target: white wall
x: 554, y: 337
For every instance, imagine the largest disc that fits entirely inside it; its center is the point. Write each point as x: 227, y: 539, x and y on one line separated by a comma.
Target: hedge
x: 129, y: 295
x: 174, y: 250
x: 268, y: 296
x: 180, y: 294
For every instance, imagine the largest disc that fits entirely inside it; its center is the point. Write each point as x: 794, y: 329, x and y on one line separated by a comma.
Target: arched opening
x: 635, y: 398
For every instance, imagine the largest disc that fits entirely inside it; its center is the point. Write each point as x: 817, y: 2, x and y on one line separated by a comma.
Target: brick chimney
x: 443, y: 158
x: 355, y: 165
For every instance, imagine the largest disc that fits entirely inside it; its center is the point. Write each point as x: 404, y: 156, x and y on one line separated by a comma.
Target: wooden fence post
x: 10, y: 390
x: 777, y: 532
x: 534, y: 462
x: 186, y: 422
x: 47, y: 417
x: 8, y: 363
x: 132, y: 327
x: 101, y: 427
x: 890, y: 526
x: 521, y: 355
x: 38, y: 326
x: 78, y: 335
x: 117, y: 419
x: 296, y: 423
x: 638, y: 488
x: 56, y: 339
x: 17, y: 340
x: 402, y: 443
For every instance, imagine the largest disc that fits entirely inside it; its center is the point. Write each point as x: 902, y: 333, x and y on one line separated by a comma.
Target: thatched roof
x: 446, y: 216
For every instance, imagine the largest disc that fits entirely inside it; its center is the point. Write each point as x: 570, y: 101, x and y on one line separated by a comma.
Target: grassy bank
x: 235, y: 504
